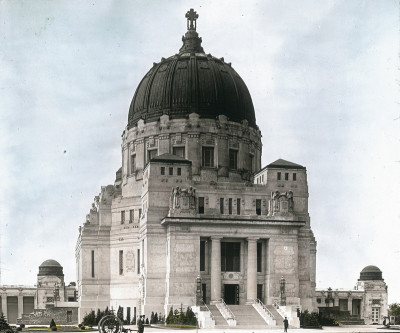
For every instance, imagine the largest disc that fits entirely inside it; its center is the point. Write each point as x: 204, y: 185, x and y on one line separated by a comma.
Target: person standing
x: 140, y: 325
x: 285, y: 324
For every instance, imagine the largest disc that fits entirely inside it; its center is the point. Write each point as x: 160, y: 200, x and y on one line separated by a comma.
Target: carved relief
x: 284, y: 259
x: 281, y: 203
x: 130, y: 261
x: 182, y: 200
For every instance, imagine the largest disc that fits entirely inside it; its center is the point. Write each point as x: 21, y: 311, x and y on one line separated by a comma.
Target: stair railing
x: 262, y: 309
x: 226, y: 312
x: 276, y: 306
x: 207, y: 309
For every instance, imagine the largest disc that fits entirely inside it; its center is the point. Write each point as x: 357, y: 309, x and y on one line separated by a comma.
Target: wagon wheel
x: 110, y: 324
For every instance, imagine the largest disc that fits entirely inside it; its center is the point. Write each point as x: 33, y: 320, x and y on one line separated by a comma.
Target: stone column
x: 350, y: 305
x: 251, y: 269
x: 215, y: 268
x: 20, y: 305
x: 4, y: 304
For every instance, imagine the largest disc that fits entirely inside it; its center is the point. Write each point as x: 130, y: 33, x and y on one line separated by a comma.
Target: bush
x: 180, y: 318
x: 308, y: 319
x: 89, y: 319
x: 52, y: 323
x: 54, y: 328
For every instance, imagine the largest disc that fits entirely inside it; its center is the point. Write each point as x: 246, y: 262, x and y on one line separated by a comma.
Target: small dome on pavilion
x: 370, y: 273
x: 50, y: 267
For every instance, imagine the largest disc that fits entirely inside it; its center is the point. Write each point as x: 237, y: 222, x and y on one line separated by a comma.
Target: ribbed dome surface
x: 371, y: 273
x: 191, y: 81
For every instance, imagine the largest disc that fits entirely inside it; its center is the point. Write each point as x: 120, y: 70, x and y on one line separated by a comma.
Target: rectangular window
x: 221, y: 205
x: 202, y: 256
x: 286, y: 176
x: 122, y: 217
x: 171, y: 171
x: 279, y: 176
x: 294, y: 176
x: 162, y: 171
x: 133, y: 164
x: 69, y: 316
x: 92, y: 263
x: 128, y: 314
x: 238, y: 206
x: 179, y: 151
x: 262, y: 178
x: 140, y: 213
x: 208, y: 156
x: 251, y: 162
x: 151, y: 154
x: 179, y: 171
x: 201, y: 205
x: 204, y: 292
x: 258, y: 206
x: 138, y: 261
x: 121, y: 262
x: 230, y: 206
x: 259, y: 257
x: 131, y: 215
x: 260, y: 292
x: 230, y: 256
x: 233, y: 159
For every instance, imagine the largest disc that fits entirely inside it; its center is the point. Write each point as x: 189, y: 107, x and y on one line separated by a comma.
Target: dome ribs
x: 219, y: 96
x: 169, y: 87
x: 192, y: 82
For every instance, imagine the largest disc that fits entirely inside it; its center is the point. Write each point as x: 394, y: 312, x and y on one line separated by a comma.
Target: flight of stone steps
x: 246, y: 317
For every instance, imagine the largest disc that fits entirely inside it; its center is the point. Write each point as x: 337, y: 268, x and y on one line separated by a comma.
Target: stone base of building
x: 61, y: 316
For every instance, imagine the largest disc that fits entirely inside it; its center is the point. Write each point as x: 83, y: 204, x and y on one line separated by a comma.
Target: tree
x: 99, y: 315
x: 120, y: 313
x: 3, y: 323
x: 394, y: 310
x: 170, y: 316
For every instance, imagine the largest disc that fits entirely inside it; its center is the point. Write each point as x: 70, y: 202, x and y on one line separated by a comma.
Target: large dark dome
x: 191, y: 81
x: 370, y: 273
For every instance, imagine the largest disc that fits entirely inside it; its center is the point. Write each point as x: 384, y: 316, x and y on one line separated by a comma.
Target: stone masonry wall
x: 44, y: 316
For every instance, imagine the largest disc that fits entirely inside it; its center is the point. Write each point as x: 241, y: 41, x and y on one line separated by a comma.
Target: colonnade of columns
x: 216, y: 268
x: 20, y: 304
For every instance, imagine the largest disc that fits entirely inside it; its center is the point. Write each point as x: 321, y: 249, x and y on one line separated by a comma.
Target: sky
x: 323, y: 76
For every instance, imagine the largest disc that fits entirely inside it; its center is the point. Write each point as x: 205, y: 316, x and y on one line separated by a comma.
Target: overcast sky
x: 323, y: 75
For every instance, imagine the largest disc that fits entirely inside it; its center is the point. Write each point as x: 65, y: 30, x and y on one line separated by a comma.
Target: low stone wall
x: 61, y: 316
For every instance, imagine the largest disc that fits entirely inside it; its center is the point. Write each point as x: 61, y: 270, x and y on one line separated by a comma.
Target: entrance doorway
x: 231, y: 294
x: 356, y: 307
x: 375, y: 315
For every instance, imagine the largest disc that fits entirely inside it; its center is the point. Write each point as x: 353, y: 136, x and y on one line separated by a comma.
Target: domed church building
x: 193, y: 217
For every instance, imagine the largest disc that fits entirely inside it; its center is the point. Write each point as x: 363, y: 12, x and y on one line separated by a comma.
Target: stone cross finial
x: 191, y: 16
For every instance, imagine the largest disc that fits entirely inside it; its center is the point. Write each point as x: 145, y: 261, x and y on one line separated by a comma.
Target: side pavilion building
x: 191, y: 199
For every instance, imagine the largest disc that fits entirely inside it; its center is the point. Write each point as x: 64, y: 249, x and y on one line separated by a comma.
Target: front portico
x: 241, y: 265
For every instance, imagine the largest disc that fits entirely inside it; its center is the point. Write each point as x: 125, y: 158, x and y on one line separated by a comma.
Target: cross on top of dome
x: 191, y: 16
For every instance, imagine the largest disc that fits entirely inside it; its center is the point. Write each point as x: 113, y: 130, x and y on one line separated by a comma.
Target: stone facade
x: 187, y: 202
